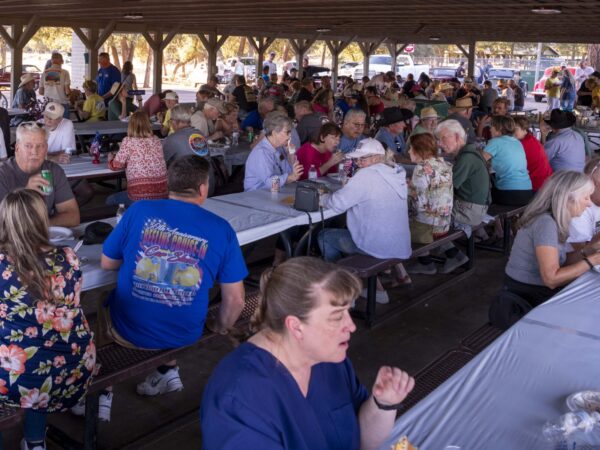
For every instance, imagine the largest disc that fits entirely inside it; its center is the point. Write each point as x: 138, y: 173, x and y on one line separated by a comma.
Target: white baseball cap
x: 367, y: 147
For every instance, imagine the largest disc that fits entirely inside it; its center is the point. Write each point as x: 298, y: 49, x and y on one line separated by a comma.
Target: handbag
x: 307, y: 196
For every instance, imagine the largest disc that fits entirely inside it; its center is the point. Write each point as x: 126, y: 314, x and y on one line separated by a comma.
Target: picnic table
x: 502, y: 398
x: 16, y: 111
x: 104, y: 127
x: 82, y: 167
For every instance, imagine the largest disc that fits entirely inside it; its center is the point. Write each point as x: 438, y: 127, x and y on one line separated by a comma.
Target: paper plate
x: 585, y: 400
x: 59, y: 234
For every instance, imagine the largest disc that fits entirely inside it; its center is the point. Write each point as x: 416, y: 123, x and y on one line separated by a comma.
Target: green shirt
x: 114, y: 108
x: 470, y: 176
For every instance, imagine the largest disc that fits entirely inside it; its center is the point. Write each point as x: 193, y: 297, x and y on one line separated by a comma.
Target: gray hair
x: 181, y: 113
x: 451, y: 126
x: 354, y: 112
x: 28, y: 128
x: 276, y: 121
x: 562, y: 188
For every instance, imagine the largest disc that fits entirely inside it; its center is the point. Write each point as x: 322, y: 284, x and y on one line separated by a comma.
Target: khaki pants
x: 106, y: 333
x: 468, y: 213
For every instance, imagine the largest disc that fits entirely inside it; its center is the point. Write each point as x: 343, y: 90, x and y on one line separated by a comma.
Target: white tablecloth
x: 503, y: 397
x: 81, y: 166
x: 104, y: 127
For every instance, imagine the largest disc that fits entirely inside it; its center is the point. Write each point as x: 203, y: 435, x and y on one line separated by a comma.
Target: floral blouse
x: 431, y: 195
x: 47, y: 352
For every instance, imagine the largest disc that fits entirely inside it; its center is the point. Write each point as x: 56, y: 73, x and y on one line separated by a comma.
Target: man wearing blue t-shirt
x: 169, y: 253
x: 352, y: 130
x: 107, y: 76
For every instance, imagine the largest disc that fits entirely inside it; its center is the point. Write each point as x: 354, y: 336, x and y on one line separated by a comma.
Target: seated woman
x: 323, y: 102
x: 121, y: 105
x: 268, y: 158
x: 320, y: 152
x: 512, y: 183
x: 141, y: 155
x: 48, y: 368
x: 538, y: 266
x: 292, y: 386
x: 430, y: 197
x: 93, y: 108
x: 228, y: 123
x: 538, y: 165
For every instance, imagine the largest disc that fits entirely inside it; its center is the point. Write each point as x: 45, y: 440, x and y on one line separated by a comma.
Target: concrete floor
x: 409, y: 340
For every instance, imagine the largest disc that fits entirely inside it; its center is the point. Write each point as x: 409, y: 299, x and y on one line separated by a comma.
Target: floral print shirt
x: 430, y: 194
x: 47, y: 352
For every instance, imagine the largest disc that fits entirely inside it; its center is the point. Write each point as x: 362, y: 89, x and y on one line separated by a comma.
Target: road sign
x: 410, y: 48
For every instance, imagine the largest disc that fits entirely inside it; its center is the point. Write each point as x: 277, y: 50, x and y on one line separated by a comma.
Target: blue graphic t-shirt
x: 172, y: 253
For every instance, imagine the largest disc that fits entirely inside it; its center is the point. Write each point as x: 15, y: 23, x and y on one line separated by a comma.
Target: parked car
x: 27, y: 68
x: 383, y: 63
x: 347, y: 69
x: 539, y: 92
x: 506, y: 74
x: 442, y: 74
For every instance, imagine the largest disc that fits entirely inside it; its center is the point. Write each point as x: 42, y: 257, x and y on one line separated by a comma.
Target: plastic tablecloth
x: 81, y: 166
x: 501, y: 399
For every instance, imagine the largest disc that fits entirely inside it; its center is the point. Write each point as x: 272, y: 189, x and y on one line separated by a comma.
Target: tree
x: 594, y: 55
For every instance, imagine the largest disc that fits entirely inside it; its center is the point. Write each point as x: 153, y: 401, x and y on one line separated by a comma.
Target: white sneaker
x: 380, y: 296
x: 104, y: 407
x: 26, y: 446
x: 157, y: 383
x: 454, y: 263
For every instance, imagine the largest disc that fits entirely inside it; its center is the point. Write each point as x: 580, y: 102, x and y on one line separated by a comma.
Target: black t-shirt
x: 240, y: 94
x: 519, y: 97
x: 304, y: 94
x: 407, y: 87
x: 584, y: 100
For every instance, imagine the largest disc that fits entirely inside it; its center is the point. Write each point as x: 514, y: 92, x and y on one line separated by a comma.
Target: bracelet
x: 395, y: 407
x: 585, y: 258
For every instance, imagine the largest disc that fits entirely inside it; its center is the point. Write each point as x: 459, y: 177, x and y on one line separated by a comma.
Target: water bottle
x: 120, y: 212
x: 570, y: 423
x: 312, y: 173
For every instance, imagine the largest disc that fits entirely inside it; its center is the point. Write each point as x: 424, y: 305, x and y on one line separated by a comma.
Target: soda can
x: 275, y: 183
x: 47, y: 175
x: 250, y: 136
x: 348, y: 167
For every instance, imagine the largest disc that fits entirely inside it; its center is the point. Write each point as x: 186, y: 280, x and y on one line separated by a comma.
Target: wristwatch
x: 395, y: 407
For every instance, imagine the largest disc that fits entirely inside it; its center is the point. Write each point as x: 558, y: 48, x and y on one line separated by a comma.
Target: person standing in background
x: 55, y: 83
x: 107, y: 76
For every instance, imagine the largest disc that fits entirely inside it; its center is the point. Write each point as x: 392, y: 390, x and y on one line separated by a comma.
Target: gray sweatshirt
x: 376, y: 201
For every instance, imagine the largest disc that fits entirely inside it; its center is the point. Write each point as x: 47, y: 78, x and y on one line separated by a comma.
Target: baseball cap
x: 217, y: 104
x: 54, y: 110
x: 171, y: 96
x: 367, y: 147
x: 351, y: 93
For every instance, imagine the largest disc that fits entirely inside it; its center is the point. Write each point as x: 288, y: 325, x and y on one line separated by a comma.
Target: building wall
x: 78, y: 65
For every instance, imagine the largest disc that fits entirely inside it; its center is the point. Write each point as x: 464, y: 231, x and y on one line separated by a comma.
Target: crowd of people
x: 409, y: 175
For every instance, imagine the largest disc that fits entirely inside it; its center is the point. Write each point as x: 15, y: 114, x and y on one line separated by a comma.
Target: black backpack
x: 507, y: 308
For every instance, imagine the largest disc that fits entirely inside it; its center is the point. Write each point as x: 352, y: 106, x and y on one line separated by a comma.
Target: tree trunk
x: 241, y: 47
x: 323, y: 55
x: 594, y: 56
x: 148, y: 68
x: 286, y: 51
x: 3, y: 53
x: 115, y: 56
x: 124, y: 49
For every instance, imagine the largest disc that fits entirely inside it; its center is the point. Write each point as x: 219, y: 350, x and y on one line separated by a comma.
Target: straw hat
x: 463, y: 103
x: 429, y: 113
x: 446, y: 86
x: 27, y: 78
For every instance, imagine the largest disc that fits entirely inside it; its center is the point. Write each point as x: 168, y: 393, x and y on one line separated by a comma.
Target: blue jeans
x: 567, y: 103
x: 118, y: 198
x: 335, y: 243
x: 35, y: 426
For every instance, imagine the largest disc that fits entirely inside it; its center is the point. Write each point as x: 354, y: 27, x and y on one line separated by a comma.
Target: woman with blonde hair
x: 46, y: 348
x: 141, y: 155
x: 538, y: 265
x: 228, y: 123
x: 292, y: 386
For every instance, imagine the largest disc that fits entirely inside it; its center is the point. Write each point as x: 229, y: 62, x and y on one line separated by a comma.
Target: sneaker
x: 380, y: 296
x: 157, y: 383
x: 454, y: 263
x: 104, y: 407
x: 425, y: 269
x: 38, y: 446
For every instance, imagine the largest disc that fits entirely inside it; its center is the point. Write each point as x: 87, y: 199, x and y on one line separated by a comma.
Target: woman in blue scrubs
x: 291, y: 386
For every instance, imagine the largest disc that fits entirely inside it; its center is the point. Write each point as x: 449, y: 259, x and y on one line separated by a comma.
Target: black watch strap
x: 395, y: 407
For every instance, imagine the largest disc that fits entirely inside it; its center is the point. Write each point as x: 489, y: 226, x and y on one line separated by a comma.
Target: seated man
x: 500, y: 107
x: 204, y: 121
x: 565, y: 147
x: 352, y: 130
x: 392, y: 129
x: 584, y: 230
x: 25, y: 96
x: 185, y: 141
x: 309, y: 122
x: 254, y: 119
x: 24, y: 171
x: 171, y: 99
x: 61, y: 134
x: 169, y: 253
x: 348, y: 102
x: 461, y: 112
x: 375, y: 199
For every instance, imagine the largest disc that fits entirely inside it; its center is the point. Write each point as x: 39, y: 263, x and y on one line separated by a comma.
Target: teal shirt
x: 509, y: 163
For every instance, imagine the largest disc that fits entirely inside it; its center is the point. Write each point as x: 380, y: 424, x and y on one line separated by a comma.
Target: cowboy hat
x: 463, y: 103
x: 395, y: 114
x: 561, y: 119
x: 429, y: 113
x: 27, y: 78
x: 446, y: 86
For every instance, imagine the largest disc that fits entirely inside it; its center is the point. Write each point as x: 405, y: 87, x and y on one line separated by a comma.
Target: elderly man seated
x: 471, y: 182
x: 268, y: 159
x: 352, y: 130
x: 500, y: 107
x: 393, y: 124
x: 309, y: 121
x: 61, y: 133
x: 171, y: 99
x: 565, y: 147
x: 24, y: 170
x: 204, y: 121
x: 428, y: 121
x: 254, y: 119
x: 375, y: 199
x: 349, y: 101
x: 25, y: 95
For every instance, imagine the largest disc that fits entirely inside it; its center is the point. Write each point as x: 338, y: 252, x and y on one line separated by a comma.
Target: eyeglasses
x: 29, y: 125
x: 359, y: 125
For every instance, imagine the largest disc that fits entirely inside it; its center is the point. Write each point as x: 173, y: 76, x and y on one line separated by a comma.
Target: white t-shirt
x: 586, y: 226
x: 55, y: 81
x: 583, y: 74
x: 62, y: 137
x: 239, y: 68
